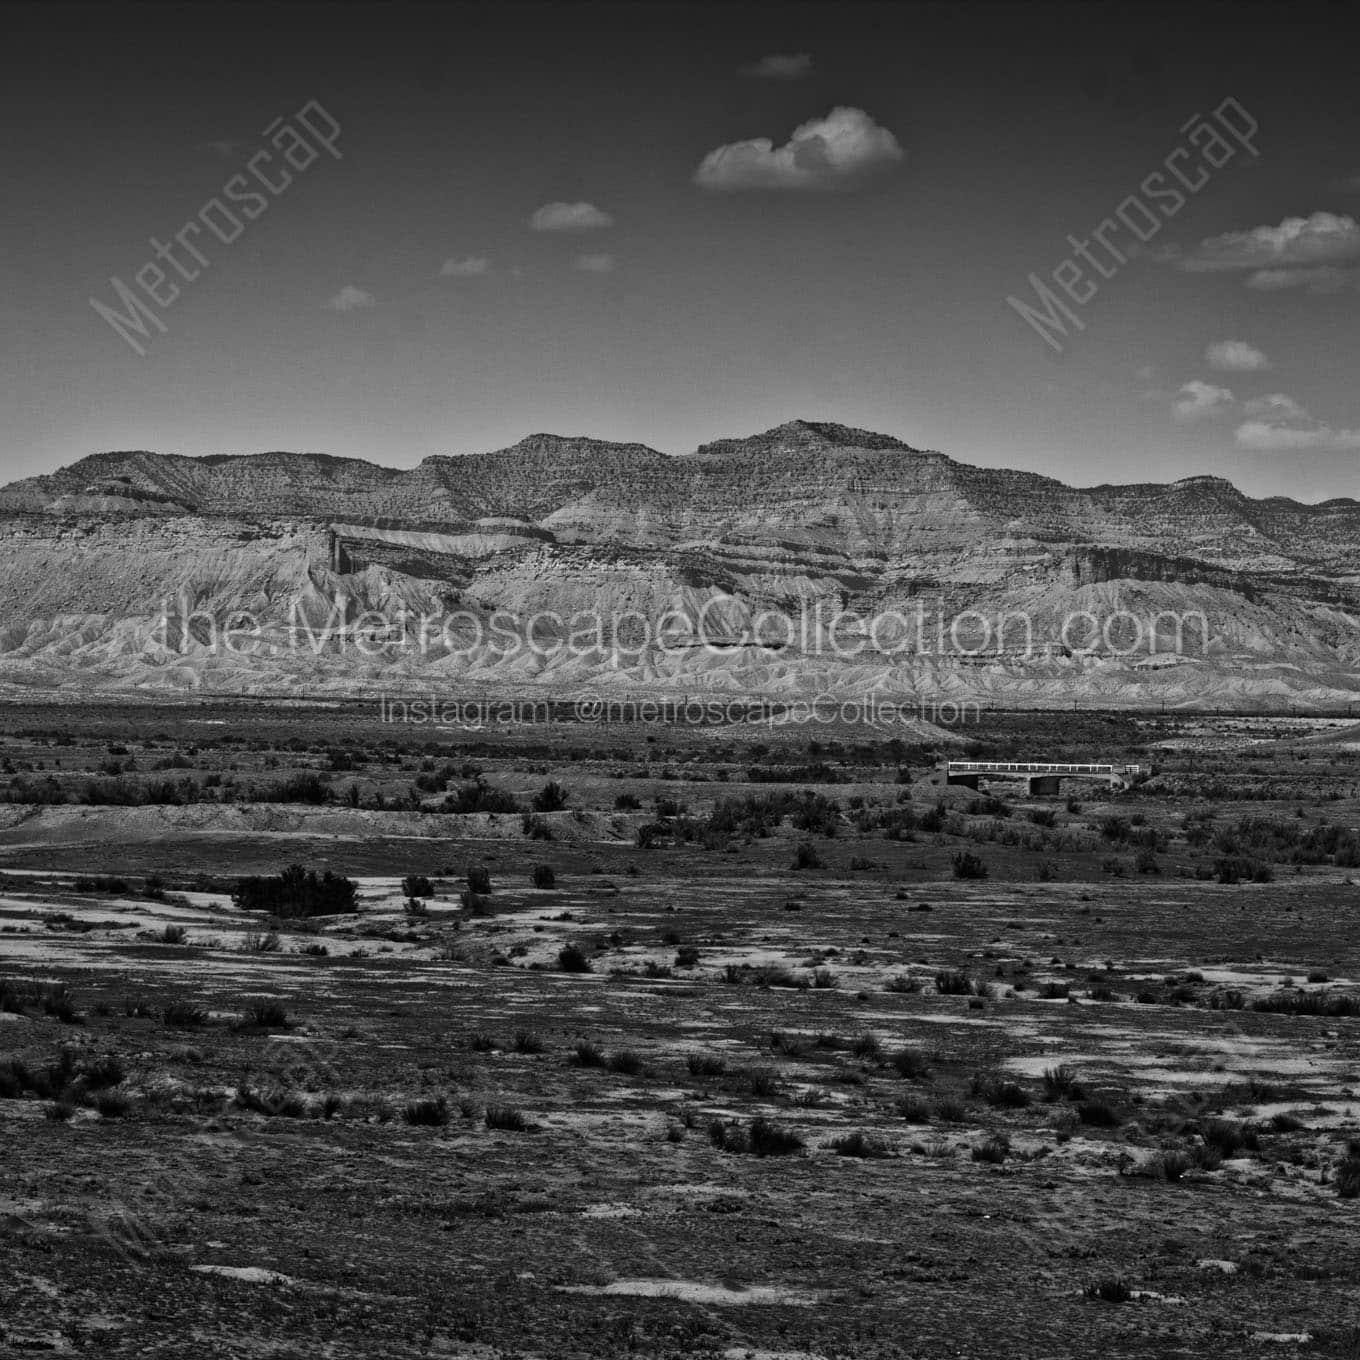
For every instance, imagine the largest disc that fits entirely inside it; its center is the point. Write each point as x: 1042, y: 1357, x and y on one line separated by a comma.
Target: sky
x: 441, y: 228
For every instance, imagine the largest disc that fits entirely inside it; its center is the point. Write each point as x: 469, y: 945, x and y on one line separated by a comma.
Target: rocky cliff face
x: 802, y: 521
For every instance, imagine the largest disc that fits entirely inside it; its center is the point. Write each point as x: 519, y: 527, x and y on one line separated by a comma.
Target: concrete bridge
x: 1042, y: 776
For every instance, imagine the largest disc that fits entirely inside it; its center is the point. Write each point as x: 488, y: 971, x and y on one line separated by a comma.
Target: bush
x: 112, y: 1104
x: 626, y: 1063
x: 968, y: 866
x: 416, y: 886
x: 953, y: 983
x: 552, y: 797
x: 267, y: 1015
x: 705, y: 1065
x: 184, y: 1015
x: 527, y: 1041
x: 1111, y: 1290
x: 262, y: 942
x: 1060, y: 1083
x: 430, y: 1113
x: 771, y: 1140
x: 911, y: 1064
x: 1001, y: 1094
x: 572, y: 958
x: 588, y: 1054
x: 913, y: 1109
x: 806, y: 856
x: 297, y: 892
x: 174, y: 934
x: 860, y: 1144
x: 1098, y: 1114
x: 506, y: 1119
x: 993, y: 1149
x: 543, y: 876
x: 479, y: 879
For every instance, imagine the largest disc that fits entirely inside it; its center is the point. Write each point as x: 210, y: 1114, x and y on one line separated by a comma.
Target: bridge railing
x: 1034, y: 767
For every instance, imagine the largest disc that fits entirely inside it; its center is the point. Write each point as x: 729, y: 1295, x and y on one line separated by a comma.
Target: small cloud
x: 1198, y: 399
x: 350, y: 299
x: 595, y: 264
x: 1276, y: 406
x: 1280, y: 424
x: 1327, y: 278
x: 224, y: 148
x: 1320, y: 239
x: 839, y: 151
x: 1235, y: 356
x: 780, y: 67
x: 470, y: 267
x: 570, y: 217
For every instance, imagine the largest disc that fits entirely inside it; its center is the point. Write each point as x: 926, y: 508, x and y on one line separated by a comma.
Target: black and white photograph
x: 679, y: 680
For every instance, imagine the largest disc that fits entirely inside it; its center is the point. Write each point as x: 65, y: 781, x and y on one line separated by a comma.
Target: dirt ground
x: 690, y: 1100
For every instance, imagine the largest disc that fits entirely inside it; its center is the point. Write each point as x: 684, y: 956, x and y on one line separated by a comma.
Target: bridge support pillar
x: 968, y: 781
x: 1043, y: 785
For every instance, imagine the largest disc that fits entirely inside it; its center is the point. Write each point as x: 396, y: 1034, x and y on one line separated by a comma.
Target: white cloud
x: 595, y: 264
x: 1197, y: 399
x: 350, y: 299
x: 469, y: 267
x: 1327, y: 278
x: 1279, y: 423
x: 1322, y: 238
x: 1235, y: 356
x: 570, y: 217
x: 835, y: 152
x: 1277, y: 406
x: 795, y: 66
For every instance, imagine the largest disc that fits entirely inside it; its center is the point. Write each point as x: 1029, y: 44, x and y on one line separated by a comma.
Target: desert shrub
x: 1054, y: 991
x: 949, y: 982
x: 902, y: 983
x: 968, y: 866
x: 627, y: 802
x: 261, y: 942
x: 112, y: 1104
x: 1001, y: 1094
x: 479, y: 797
x: 544, y: 877
x: 824, y: 979
x: 860, y: 1144
x: 267, y: 1015
x: 806, y: 856
x: 588, y: 1054
x: 1228, y: 1137
x: 1328, y: 1004
x: 1043, y: 817
x: 173, y: 934
x: 481, y: 1042
x: 913, y: 1109
x: 1348, y: 1172
x: 182, y: 1014
x: 1111, y: 1289
x: 297, y: 892
x: 626, y: 1063
x: 535, y: 827
x: 430, y: 1112
x: 571, y: 958
x: 705, y: 1065
x: 505, y: 1119
x: 315, y: 949
x: 1060, y: 1083
x: 1098, y: 1114
x: 768, y: 1139
x: 951, y: 1110
x: 1170, y: 1165
x: 867, y: 1046
x: 276, y: 1104
x: 527, y: 1041
x: 993, y: 1149
x: 416, y: 886
x: 687, y: 956
x: 911, y: 1064
x: 552, y: 797
x: 479, y: 879
x: 763, y: 1082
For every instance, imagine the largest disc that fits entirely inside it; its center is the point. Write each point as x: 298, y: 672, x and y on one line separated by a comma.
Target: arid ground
x: 696, y: 1042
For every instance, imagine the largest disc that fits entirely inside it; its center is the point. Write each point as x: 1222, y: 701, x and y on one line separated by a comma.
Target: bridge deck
x: 1034, y: 767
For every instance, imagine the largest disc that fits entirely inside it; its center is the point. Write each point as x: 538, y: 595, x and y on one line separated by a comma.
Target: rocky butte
x: 898, y: 570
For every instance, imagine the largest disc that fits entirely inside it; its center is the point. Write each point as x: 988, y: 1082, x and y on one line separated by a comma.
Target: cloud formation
x: 570, y: 217
x: 1235, y: 356
x: 1279, y: 423
x: 595, y: 264
x: 1326, y: 278
x: 469, y: 267
x: 795, y: 66
x: 350, y: 299
x: 839, y: 151
x: 1197, y: 400
x: 1323, y: 238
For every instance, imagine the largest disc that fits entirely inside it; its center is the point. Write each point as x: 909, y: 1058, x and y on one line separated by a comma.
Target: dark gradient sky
x: 724, y: 313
